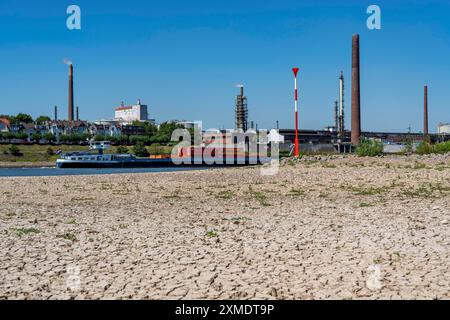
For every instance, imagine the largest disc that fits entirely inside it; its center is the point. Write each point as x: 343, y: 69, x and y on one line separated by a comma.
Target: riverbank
x: 18, y: 165
x: 322, y: 228
x: 34, y: 154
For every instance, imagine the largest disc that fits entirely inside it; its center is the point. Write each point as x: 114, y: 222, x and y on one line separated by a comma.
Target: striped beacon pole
x: 296, y: 150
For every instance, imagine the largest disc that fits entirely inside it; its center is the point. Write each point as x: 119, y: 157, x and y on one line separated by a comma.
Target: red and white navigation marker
x: 296, y: 150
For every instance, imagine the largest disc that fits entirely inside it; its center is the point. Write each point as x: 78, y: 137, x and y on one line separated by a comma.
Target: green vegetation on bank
x: 425, y: 147
x: 46, y: 153
x: 369, y: 148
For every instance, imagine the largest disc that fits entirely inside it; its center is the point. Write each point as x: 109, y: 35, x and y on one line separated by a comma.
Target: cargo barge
x: 101, y: 160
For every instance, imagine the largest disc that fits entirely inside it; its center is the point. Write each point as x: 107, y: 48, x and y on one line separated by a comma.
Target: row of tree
x: 152, y: 135
x: 25, y: 118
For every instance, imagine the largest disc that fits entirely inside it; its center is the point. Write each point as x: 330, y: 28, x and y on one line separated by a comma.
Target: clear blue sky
x: 185, y: 57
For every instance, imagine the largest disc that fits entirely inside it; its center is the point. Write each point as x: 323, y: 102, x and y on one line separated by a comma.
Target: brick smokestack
x: 425, y: 111
x: 356, y: 93
x: 70, y: 104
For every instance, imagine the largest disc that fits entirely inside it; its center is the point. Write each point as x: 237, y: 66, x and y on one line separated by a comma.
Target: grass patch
x: 240, y: 219
x: 81, y: 199
x: 418, y: 166
x: 173, y: 195
x: 68, y: 236
x: 211, y: 234
x: 367, y: 191
x: 296, y: 192
x: 227, y: 194
x: 365, y: 205
x: 26, y: 231
x: 420, y: 192
x: 259, y: 196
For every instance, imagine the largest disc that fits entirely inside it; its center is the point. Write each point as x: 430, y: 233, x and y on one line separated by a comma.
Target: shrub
x: 36, y: 137
x: 409, y: 146
x: 425, y: 147
x: 15, y: 151
x: 369, y: 148
x: 50, y: 151
x: 49, y: 137
x: 140, y: 150
x: 122, y: 150
x: 443, y: 147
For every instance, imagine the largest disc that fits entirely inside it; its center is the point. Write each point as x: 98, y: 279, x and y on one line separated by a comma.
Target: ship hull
x: 159, y: 163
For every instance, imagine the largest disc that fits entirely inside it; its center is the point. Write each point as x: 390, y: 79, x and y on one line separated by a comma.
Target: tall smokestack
x: 425, y: 111
x: 356, y: 93
x: 336, y: 115
x: 341, y: 126
x: 70, y: 104
x: 77, y: 114
x: 56, y: 113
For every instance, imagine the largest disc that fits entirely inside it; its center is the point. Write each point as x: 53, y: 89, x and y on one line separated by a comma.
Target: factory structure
x: 336, y: 138
x: 137, y: 112
x: 241, y: 110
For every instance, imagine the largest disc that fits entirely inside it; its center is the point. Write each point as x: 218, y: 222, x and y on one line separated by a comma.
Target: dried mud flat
x: 341, y: 228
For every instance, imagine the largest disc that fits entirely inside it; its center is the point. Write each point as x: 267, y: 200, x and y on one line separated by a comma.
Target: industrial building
x: 137, y: 112
x: 241, y: 110
x: 444, y: 129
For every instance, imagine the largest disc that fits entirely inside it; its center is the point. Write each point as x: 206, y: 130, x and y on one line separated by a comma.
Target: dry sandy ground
x: 336, y: 229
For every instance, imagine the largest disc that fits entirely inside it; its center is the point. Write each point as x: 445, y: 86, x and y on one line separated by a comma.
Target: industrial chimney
x: 77, y: 114
x: 56, y: 113
x: 356, y: 93
x: 241, y: 111
x: 70, y: 104
x: 425, y: 111
x: 341, y: 126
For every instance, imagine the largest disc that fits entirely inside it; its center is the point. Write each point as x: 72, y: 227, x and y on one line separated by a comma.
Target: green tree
x: 49, y: 137
x: 164, y: 134
x: 100, y: 137
x: 9, y: 136
x: 22, y: 118
x: 137, y: 139
x: 140, y: 150
x: 42, y: 119
x: 64, y: 138
x: 21, y: 136
x: 150, y: 129
x: 36, y: 137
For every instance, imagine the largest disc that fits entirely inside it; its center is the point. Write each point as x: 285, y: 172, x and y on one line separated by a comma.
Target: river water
x: 45, y: 172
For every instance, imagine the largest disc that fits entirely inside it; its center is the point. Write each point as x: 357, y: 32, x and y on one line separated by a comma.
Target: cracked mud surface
x: 317, y: 230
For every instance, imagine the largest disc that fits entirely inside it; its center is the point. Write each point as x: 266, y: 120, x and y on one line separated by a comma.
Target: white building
x: 444, y: 128
x: 138, y: 112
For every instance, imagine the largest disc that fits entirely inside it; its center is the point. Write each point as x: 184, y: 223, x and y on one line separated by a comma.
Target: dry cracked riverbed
x: 344, y: 228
